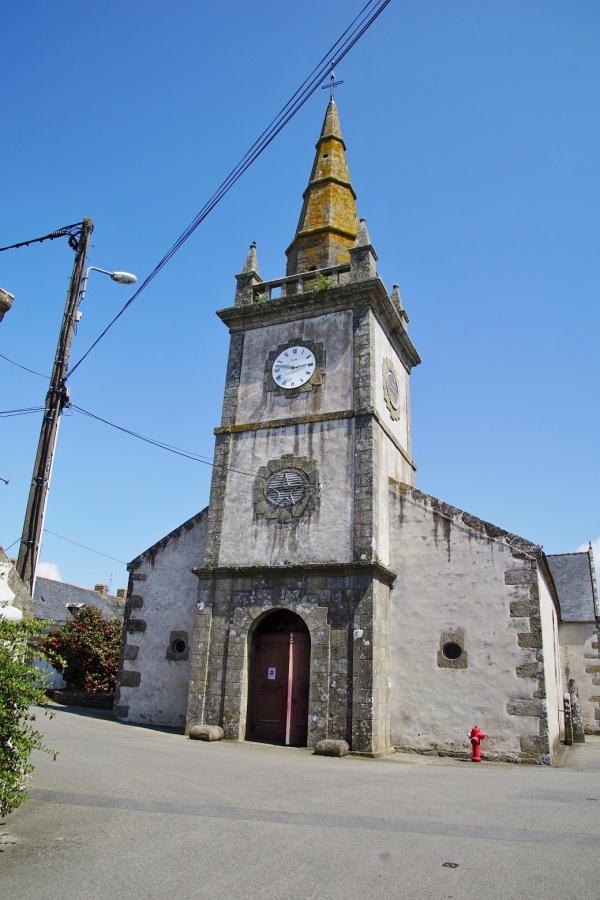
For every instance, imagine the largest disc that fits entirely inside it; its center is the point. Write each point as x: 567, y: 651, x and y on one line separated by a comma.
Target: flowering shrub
x: 21, y: 687
x: 86, y: 651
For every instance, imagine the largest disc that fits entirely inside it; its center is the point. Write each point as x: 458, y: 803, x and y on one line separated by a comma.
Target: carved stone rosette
x: 391, y: 389
x: 286, y: 488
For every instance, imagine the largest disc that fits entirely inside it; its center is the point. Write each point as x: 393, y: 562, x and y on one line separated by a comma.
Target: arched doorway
x: 278, y: 701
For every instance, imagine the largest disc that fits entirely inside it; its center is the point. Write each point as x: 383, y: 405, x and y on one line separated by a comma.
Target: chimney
x: 122, y: 594
x: 101, y: 589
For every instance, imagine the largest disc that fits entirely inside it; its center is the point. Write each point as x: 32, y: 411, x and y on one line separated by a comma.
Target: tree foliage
x: 21, y: 688
x: 86, y: 651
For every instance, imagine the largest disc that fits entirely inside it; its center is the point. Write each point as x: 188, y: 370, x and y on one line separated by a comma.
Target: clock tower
x: 291, y: 639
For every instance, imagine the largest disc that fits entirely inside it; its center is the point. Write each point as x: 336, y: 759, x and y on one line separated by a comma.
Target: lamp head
x: 123, y: 277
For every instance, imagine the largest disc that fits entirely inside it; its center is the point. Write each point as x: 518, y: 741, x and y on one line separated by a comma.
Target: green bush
x: 86, y: 651
x: 21, y: 687
x: 322, y: 283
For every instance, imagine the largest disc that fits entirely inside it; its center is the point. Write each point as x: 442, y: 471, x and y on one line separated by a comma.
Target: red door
x: 281, y: 682
x: 299, y: 668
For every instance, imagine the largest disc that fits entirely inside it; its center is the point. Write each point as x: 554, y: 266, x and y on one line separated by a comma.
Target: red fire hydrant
x: 476, y: 736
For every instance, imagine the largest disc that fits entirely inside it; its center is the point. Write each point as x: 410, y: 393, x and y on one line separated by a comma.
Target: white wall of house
x: 552, y: 671
x: 578, y: 655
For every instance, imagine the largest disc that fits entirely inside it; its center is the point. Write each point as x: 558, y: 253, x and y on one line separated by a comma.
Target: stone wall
x: 154, y: 669
x: 468, y: 589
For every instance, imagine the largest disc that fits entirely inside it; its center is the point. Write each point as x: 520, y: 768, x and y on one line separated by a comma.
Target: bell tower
x: 315, y: 424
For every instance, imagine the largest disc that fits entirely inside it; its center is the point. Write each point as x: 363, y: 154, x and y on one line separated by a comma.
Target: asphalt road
x: 129, y: 812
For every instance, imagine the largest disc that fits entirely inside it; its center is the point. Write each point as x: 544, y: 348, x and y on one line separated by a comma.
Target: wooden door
x: 269, y: 707
x: 298, y: 695
x: 281, y: 685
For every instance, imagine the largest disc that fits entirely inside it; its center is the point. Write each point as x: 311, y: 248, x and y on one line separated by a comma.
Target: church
x: 321, y: 595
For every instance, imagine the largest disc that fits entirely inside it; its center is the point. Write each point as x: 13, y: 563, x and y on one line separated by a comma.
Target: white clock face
x: 293, y: 367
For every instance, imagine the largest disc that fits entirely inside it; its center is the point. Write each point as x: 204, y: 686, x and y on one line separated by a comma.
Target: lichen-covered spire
x: 328, y: 222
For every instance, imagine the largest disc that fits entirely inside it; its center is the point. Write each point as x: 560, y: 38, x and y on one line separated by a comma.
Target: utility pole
x: 56, y: 399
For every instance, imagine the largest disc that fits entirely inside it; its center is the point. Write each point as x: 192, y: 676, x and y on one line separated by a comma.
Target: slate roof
x: 53, y: 598
x: 575, y: 585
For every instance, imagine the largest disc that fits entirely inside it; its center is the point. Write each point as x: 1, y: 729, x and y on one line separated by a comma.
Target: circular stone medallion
x: 286, y: 488
x: 392, y: 387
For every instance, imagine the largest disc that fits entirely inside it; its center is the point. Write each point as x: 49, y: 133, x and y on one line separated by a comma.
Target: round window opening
x: 452, y: 650
x: 178, y: 646
x: 286, y: 488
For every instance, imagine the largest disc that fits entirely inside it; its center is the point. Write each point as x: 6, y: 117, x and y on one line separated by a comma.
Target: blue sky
x: 472, y: 135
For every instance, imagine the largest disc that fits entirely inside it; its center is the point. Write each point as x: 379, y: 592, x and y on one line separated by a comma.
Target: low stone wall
x: 81, y: 698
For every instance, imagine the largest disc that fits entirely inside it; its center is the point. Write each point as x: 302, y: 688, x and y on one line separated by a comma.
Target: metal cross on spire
x: 332, y: 84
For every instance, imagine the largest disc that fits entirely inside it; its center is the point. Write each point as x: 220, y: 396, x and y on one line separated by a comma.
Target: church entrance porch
x: 330, y: 620
x: 278, y: 701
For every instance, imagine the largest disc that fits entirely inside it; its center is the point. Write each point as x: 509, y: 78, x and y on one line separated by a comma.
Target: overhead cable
x: 187, y: 454
x: 63, y: 538
x: 33, y: 372
x: 363, y: 21
x: 67, y: 231
x: 6, y: 413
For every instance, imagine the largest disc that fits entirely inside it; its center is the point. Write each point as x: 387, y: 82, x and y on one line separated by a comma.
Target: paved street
x: 128, y: 812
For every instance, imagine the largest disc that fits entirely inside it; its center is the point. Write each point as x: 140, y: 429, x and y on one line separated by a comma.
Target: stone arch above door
x: 278, y: 678
x: 245, y: 620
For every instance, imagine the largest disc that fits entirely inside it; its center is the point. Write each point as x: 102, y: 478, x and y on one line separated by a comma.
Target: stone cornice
x: 311, y: 304
x: 314, y: 419
x: 333, y: 570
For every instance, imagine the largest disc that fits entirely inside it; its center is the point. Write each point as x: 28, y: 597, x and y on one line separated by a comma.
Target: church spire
x: 328, y: 223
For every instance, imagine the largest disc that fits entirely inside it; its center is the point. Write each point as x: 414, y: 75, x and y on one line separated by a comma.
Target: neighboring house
x: 575, y: 579
x: 320, y: 594
x: 14, y: 596
x: 57, y: 602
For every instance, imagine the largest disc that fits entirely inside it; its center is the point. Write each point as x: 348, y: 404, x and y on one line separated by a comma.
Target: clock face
x: 293, y: 367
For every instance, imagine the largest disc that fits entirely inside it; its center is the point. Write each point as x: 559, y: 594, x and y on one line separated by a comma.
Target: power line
x: 63, y: 538
x: 361, y: 23
x: 187, y: 454
x: 33, y: 372
x: 6, y: 413
x: 68, y: 231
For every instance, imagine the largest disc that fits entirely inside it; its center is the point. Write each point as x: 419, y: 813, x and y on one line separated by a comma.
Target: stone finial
x: 362, y: 255
x: 247, y: 279
x: 397, y: 301
x: 396, y: 298
x: 362, y: 236
x: 251, y: 264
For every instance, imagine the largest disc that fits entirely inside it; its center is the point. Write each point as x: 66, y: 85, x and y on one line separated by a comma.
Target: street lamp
x: 6, y: 300
x: 119, y: 277
x: 56, y: 400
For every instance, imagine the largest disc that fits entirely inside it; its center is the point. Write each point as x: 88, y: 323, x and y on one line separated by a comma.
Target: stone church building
x: 320, y: 594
